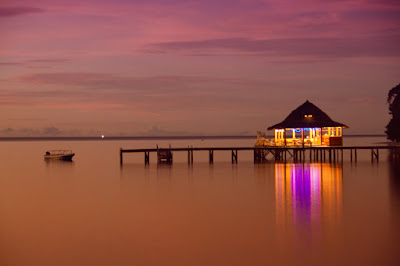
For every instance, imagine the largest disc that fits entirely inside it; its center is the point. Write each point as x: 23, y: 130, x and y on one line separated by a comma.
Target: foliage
x: 261, y: 134
x: 393, y: 128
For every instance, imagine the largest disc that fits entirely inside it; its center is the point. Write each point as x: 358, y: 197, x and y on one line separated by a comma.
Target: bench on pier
x: 164, y: 155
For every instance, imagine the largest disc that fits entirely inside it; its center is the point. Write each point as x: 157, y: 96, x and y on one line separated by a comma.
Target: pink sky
x: 134, y: 67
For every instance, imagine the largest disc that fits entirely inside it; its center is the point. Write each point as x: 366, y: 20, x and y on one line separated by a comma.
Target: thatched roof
x: 307, y: 115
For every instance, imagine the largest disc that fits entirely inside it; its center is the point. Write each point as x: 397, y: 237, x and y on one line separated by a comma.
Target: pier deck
x: 279, y: 153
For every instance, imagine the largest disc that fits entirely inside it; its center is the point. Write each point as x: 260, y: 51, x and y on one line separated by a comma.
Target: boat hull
x: 65, y: 157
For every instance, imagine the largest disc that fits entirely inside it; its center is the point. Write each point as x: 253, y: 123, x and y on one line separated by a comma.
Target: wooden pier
x: 296, y: 154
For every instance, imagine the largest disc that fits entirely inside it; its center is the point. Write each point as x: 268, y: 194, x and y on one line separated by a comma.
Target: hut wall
x: 335, y: 141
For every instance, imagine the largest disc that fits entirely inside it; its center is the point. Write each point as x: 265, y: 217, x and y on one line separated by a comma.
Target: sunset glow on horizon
x: 136, y: 67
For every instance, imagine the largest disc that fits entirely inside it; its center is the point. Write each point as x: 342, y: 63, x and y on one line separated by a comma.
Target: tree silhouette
x: 393, y: 128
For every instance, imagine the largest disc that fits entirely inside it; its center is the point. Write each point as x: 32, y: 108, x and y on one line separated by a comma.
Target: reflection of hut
x: 308, y: 125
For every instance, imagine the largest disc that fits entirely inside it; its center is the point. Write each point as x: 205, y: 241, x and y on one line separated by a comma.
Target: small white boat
x: 59, y: 155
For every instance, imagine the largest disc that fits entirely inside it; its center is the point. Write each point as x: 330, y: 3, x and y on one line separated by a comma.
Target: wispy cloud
x: 314, y: 47
x: 11, y: 64
x: 34, y: 63
x: 157, y: 131
x: 47, y: 60
x: 18, y: 11
x: 50, y: 131
x: 91, y: 91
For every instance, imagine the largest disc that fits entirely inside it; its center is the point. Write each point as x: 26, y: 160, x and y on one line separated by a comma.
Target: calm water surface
x: 93, y: 212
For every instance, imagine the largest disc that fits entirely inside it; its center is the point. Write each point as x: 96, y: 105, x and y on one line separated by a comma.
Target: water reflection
x: 59, y: 163
x: 308, y: 193
x: 394, y: 170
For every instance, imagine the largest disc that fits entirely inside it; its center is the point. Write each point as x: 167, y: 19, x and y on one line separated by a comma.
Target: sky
x: 210, y: 67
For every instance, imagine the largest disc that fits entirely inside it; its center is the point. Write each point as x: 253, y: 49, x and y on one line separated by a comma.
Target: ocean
x: 92, y: 211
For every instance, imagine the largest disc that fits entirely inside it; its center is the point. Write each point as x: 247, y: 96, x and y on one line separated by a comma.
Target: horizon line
x: 67, y: 138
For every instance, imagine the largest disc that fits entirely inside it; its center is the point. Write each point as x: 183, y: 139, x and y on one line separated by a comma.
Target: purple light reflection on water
x: 301, y: 194
x: 299, y: 186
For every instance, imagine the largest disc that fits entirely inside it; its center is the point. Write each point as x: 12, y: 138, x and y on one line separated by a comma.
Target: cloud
x: 11, y: 64
x: 35, y: 63
x: 155, y: 131
x: 145, y: 95
x: 18, y: 11
x: 47, y: 60
x: 390, y: 3
x: 152, y: 85
x: 51, y: 131
x: 313, y: 47
x: 7, y: 132
x: 32, y: 132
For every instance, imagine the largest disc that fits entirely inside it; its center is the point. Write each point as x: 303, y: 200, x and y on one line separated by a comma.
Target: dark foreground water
x: 93, y: 212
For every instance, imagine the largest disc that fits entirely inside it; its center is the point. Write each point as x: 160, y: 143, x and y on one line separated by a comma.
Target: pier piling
x: 234, y: 156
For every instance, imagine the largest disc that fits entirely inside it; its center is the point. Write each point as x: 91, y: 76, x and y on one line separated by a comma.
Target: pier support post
x: 211, y: 155
x: 120, y: 156
x: 372, y: 155
x: 334, y: 155
x: 234, y: 156
x: 355, y: 155
x: 257, y: 155
x: 146, y: 157
x: 351, y: 155
x: 277, y: 155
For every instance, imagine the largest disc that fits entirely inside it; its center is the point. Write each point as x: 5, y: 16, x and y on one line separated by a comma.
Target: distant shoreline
x: 146, y: 138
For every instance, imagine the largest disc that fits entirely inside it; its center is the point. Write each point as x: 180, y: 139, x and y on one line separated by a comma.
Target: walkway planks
x: 316, y: 153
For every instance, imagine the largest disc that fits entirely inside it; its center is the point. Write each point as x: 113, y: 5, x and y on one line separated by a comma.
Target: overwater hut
x: 308, y: 125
